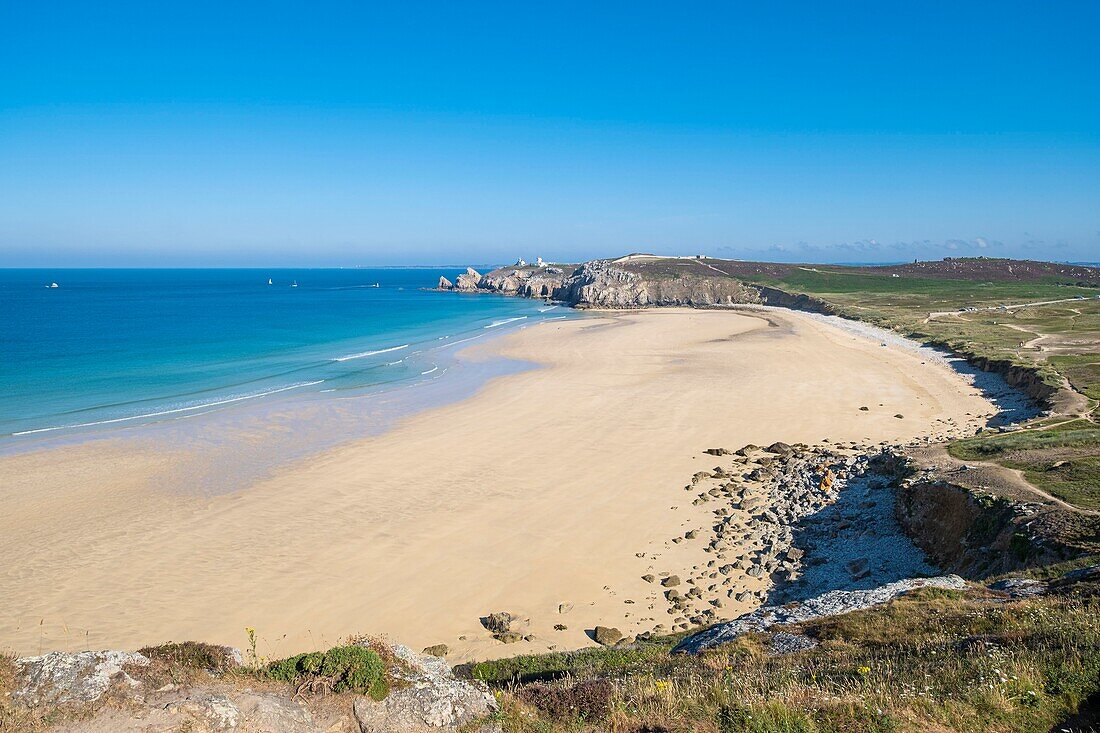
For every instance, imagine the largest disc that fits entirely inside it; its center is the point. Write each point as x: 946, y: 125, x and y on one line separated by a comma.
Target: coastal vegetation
x: 932, y: 660
x: 349, y: 668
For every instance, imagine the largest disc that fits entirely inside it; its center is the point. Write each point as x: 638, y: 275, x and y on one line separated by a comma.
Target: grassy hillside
x: 932, y: 661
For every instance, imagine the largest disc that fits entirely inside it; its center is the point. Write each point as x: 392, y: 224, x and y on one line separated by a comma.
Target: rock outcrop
x: 829, y: 604
x: 60, y: 678
x: 467, y: 281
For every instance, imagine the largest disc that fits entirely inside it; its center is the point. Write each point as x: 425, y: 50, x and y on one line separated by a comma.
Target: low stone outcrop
x: 832, y: 603
x: 59, y: 678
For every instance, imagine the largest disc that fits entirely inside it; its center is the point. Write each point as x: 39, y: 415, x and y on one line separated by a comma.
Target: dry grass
x: 930, y: 662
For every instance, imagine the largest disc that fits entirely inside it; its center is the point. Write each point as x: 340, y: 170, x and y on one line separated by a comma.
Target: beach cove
x: 552, y: 489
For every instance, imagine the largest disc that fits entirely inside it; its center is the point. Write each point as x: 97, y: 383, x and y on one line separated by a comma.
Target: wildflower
x: 863, y: 671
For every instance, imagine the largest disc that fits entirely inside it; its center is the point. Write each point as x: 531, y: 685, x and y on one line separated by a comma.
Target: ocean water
x: 111, y: 350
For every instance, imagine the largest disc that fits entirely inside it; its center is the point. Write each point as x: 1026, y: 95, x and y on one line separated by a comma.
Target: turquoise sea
x: 113, y: 350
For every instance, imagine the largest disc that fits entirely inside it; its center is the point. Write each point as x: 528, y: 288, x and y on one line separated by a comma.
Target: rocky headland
x: 604, y: 284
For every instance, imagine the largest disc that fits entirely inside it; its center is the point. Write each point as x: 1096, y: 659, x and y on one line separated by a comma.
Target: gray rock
x: 81, y: 677
x: 671, y: 581
x: 1021, y: 587
x: 784, y: 643
x: 433, y: 700
x: 829, y: 604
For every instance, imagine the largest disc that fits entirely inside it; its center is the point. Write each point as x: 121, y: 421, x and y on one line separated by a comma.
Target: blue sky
x: 165, y: 134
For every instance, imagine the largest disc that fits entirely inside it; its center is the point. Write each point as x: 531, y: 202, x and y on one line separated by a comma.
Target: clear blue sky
x: 194, y: 133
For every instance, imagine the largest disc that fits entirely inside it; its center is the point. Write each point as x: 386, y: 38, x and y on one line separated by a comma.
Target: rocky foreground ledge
x: 206, y: 690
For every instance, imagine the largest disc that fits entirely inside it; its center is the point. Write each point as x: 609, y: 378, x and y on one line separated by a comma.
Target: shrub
x: 192, y: 655
x: 587, y: 700
x: 340, y: 669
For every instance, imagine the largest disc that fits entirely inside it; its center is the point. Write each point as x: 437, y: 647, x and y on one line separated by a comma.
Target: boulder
x: 671, y: 581
x: 606, y: 635
x: 498, y: 622
x: 431, y: 700
x: 445, y: 284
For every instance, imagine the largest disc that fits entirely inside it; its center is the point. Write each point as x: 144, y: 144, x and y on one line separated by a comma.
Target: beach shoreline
x: 536, y: 494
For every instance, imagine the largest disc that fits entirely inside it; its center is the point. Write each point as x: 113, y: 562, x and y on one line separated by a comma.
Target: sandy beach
x: 542, y: 490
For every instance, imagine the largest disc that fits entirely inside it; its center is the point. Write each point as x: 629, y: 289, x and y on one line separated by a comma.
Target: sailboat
x: 269, y: 282
x: 294, y: 284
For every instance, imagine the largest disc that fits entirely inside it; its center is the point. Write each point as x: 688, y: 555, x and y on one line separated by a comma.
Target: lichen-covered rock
x: 784, y: 643
x: 61, y: 677
x: 433, y: 700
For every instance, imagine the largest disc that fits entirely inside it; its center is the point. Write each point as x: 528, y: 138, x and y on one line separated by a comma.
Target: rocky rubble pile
x: 759, y: 496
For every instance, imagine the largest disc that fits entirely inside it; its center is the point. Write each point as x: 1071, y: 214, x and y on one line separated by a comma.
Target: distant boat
x: 269, y: 282
x: 52, y: 285
x: 376, y: 285
x: 294, y: 284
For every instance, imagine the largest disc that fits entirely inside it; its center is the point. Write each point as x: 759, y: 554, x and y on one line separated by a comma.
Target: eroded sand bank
x: 541, y: 490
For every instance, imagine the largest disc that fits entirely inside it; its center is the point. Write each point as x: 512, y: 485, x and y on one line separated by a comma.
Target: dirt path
x: 936, y: 314
x: 1009, y: 482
